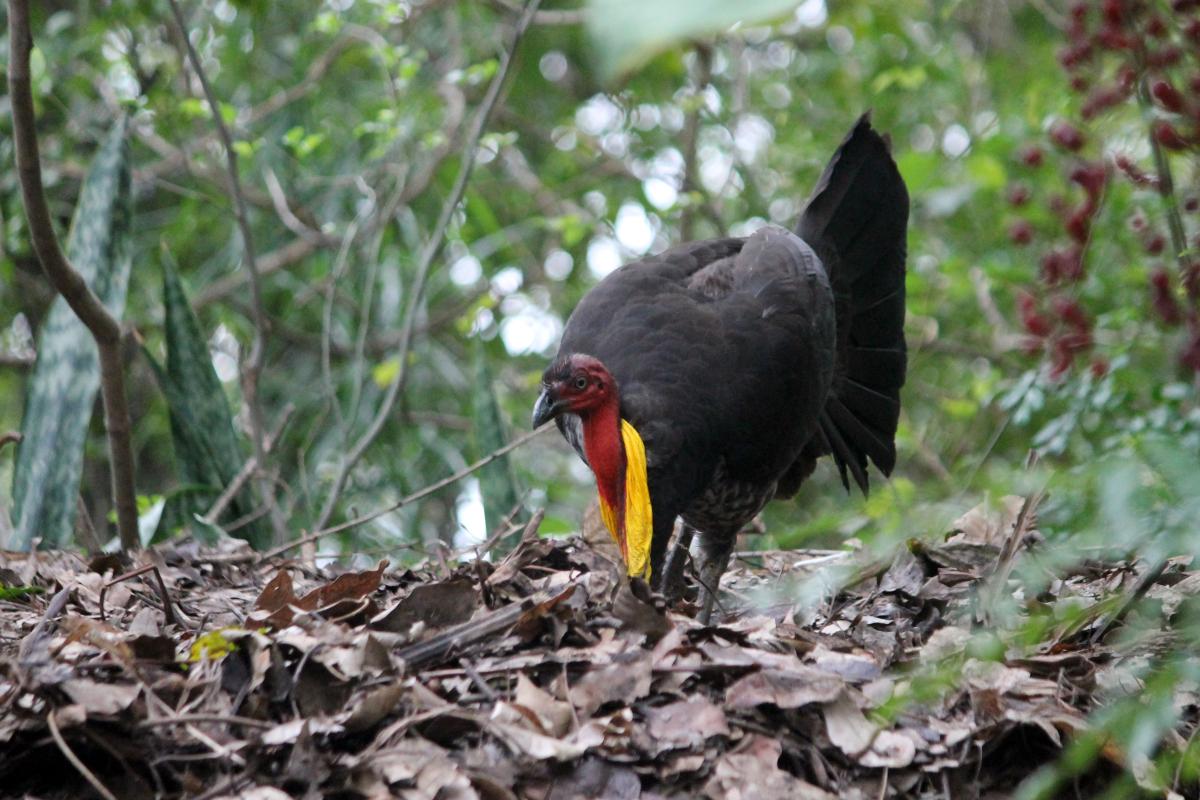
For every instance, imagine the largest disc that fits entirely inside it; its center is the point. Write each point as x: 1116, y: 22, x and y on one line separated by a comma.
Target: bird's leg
x: 672, y: 583
x: 716, y: 558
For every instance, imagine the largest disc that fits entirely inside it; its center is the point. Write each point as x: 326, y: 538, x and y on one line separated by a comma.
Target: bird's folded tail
x: 856, y: 221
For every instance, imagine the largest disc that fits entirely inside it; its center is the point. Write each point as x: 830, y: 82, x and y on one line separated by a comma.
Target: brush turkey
x: 706, y: 380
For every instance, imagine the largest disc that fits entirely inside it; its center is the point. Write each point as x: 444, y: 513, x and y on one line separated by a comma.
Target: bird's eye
x: 581, y: 383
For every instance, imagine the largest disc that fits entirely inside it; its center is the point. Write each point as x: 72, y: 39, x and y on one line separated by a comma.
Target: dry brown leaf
x: 855, y: 665
x: 793, y: 688
x: 344, y: 595
x: 101, y: 699
x: 987, y: 523
x: 863, y: 740
x: 257, y: 793
x: 596, y: 778
x: 686, y: 724
x: 433, y: 605
x: 751, y: 772
x: 554, y: 716
x: 523, y: 740
x: 625, y: 679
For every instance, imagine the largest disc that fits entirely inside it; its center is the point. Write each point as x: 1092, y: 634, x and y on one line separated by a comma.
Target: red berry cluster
x: 1116, y: 52
x: 1055, y: 320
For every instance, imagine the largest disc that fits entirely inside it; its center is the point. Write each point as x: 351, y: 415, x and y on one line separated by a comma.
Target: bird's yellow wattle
x: 638, y: 516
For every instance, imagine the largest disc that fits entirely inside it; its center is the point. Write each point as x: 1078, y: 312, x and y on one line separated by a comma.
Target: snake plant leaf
x: 61, y: 393
x: 207, y: 454
x: 497, y: 482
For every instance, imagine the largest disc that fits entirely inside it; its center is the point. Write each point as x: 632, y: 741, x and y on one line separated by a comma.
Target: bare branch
x: 691, y: 138
x: 105, y: 328
x: 291, y: 253
x: 55, y: 734
x: 412, y: 498
x: 432, y: 247
x: 569, y: 16
x: 283, y: 208
x: 254, y: 362
x: 1166, y: 184
x: 16, y: 360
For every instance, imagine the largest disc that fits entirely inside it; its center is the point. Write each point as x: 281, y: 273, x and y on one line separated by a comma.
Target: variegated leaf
x: 62, y: 391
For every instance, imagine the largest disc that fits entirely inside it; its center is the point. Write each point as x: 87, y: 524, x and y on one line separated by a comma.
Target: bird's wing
x: 722, y: 350
x: 656, y: 336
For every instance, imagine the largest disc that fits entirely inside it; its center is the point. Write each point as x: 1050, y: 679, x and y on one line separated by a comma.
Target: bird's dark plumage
x: 741, y: 361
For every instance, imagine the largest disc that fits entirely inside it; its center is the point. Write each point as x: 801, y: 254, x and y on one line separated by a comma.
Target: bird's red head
x: 580, y: 384
x: 575, y: 384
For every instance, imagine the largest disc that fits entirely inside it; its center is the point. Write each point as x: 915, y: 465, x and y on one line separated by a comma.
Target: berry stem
x: 1166, y: 184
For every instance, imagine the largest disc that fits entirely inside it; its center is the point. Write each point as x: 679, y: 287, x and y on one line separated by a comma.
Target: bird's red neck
x: 606, y: 453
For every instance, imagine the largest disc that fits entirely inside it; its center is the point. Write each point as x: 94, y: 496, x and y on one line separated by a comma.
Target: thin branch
x: 339, y: 266
x: 691, y: 138
x: 220, y: 719
x: 69, y: 754
x: 569, y: 16
x: 283, y: 209
x: 412, y: 498
x: 432, y: 247
x: 252, y: 368
x: 1166, y: 184
x: 16, y: 361
x: 1144, y: 584
x: 248, y: 468
x: 105, y: 328
x: 291, y: 253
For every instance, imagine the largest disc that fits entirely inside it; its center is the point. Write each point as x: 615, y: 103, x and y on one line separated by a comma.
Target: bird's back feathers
x: 752, y: 357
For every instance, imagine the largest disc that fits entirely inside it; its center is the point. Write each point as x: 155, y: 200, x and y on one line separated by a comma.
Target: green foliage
x: 497, y: 483
x: 207, y: 455
x: 360, y: 113
x: 14, y: 593
x: 627, y: 33
x: 61, y: 392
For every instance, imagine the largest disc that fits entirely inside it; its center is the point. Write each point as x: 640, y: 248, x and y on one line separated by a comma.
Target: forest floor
x: 208, y: 672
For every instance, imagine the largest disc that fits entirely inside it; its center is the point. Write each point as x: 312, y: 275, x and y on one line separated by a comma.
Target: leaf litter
x: 549, y: 676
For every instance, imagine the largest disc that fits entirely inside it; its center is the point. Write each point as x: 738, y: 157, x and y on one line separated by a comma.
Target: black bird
x: 706, y: 380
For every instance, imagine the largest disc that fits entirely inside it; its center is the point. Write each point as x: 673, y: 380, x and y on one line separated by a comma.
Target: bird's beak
x: 547, y: 407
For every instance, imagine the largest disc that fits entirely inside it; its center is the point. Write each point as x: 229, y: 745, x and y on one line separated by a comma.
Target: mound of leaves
x: 193, y: 672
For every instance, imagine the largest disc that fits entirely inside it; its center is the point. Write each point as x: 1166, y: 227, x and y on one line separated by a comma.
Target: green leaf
x: 987, y: 171
x: 62, y: 391
x: 202, y: 431
x: 13, y: 593
x: 497, y: 483
x: 385, y: 372
x: 629, y: 32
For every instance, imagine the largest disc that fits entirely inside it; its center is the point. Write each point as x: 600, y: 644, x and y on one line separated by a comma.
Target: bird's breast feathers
x: 638, y: 515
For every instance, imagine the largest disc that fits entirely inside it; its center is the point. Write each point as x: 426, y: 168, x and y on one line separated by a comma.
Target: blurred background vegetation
x: 1050, y: 151
x: 349, y: 120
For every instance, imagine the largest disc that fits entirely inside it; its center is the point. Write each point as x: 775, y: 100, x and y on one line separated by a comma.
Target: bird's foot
x: 672, y: 581
x: 710, y: 580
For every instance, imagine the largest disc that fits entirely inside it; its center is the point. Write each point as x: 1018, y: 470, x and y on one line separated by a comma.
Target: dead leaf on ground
x: 792, y: 688
x: 751, y: 772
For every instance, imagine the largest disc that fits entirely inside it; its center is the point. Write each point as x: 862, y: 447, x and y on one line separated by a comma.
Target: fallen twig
x: 168, y: 609
x: 223, y: 719
x: 460, y: 637
x: 1139, y: 591
x: 69, y: 754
